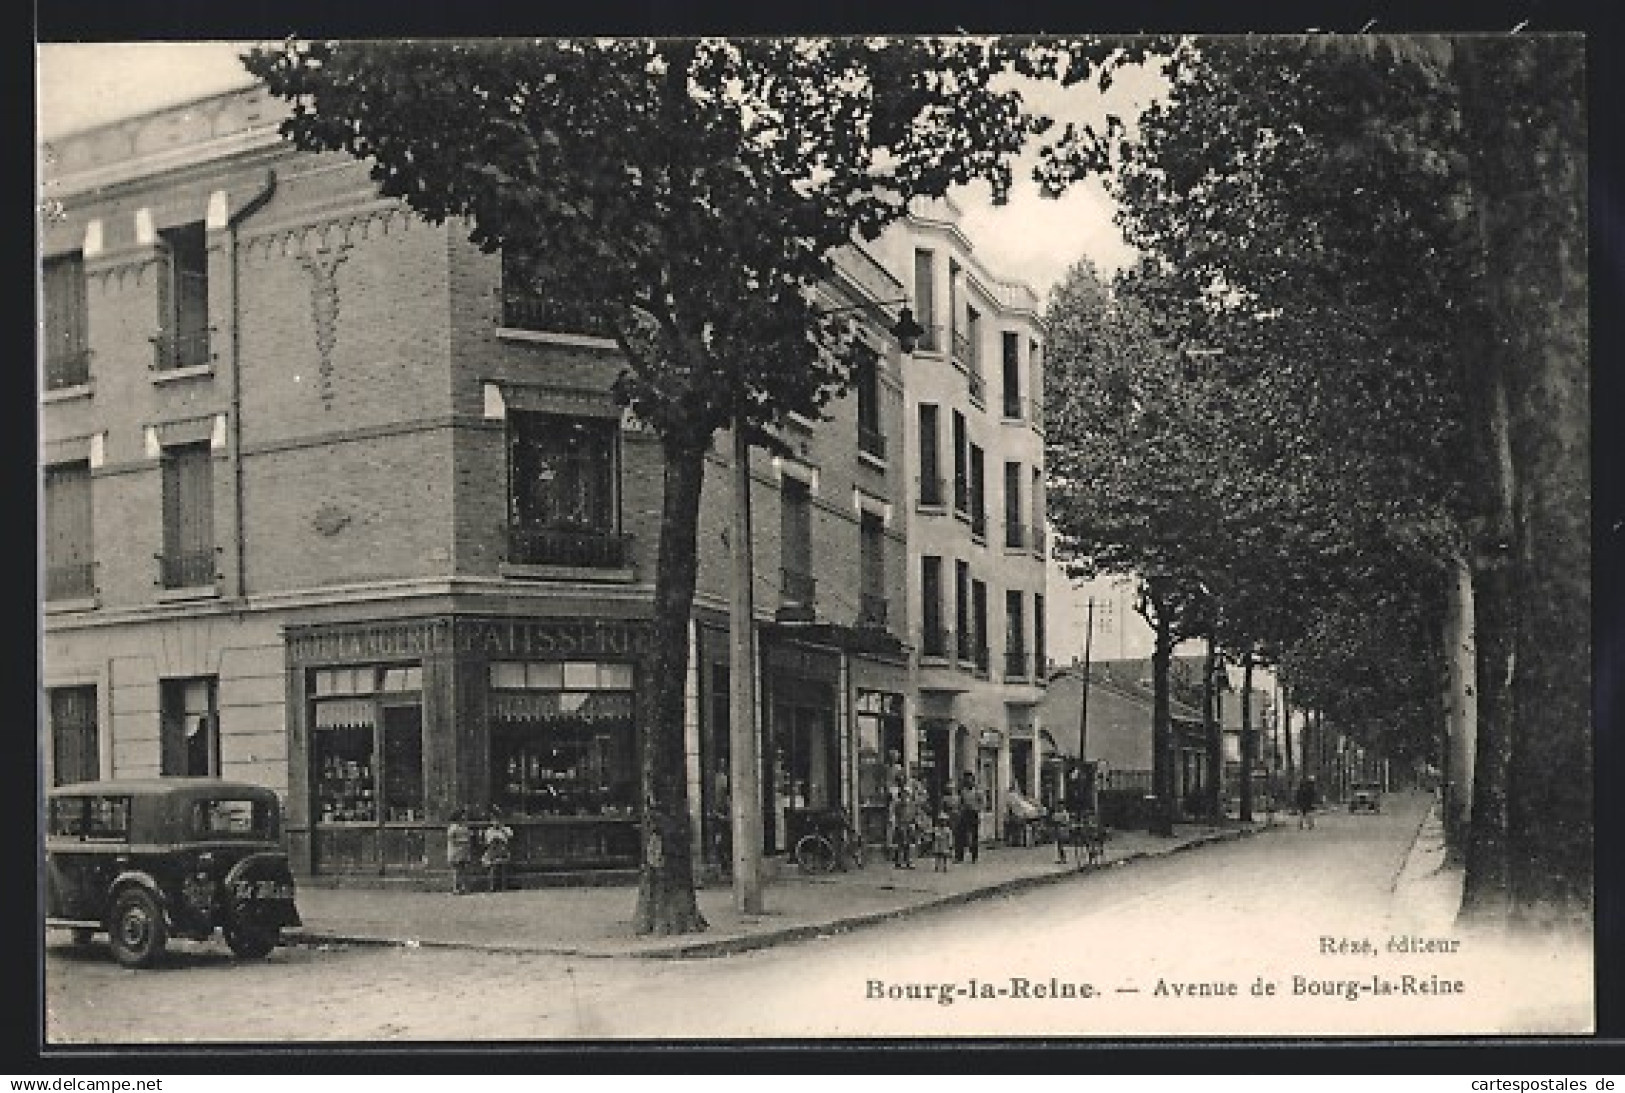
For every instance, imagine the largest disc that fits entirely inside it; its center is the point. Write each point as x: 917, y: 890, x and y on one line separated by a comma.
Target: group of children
x: 489, y: 844
x: 908, y: 798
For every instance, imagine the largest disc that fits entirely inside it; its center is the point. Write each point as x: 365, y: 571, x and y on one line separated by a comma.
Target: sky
x: 1030, y: 238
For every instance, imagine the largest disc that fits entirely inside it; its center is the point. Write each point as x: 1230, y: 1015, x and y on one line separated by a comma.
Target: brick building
x: 328, y: 509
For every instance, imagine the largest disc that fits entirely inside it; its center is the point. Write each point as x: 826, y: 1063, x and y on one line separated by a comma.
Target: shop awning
x: 344, y: 713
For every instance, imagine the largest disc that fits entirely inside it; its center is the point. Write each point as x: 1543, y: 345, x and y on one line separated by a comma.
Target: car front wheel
x: 137, y: 932
x: 250, y: 942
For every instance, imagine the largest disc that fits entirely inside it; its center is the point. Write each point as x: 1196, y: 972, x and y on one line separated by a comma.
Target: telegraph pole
x: 745, y: 804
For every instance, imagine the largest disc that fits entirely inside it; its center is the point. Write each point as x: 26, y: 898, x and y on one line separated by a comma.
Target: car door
x: 69, y: 864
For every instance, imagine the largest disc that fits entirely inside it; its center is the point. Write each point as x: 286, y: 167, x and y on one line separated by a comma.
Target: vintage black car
x: 1365, y: 797
x: 144, y: 860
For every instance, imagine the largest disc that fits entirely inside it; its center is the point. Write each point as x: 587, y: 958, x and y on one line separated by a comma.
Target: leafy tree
x: 687, y: 195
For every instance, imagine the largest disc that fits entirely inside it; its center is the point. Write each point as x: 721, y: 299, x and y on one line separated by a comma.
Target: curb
x: 1410, y: 851
x: 770, y: 938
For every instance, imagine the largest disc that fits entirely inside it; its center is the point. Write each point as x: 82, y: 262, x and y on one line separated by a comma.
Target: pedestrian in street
x: 1307, y: 799
x: 942, y: 842
x: 459, y: 850
x: 498, y: 851
x: 967, y: 830
x: 903, y: 820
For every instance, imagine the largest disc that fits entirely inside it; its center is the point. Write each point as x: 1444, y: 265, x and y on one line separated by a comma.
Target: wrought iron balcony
x: 1015, y: 664
x: 187, y: 568
x: 984, y: 660
x: 871, y: 611
x: 978, y: 387
x: 961, y: 494
x: 75, y: 581
x: 798, y: 593
x: 67, y: 368
x: 171, y: 350
x: 965, y: 350
x: 523, y: 311
x: 872, y: 441
x: 978, y: 523
x: 575, y: 547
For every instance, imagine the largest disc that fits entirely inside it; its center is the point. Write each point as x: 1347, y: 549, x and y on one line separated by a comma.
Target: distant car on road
x: 1365, y: 798
x: 142, y: 860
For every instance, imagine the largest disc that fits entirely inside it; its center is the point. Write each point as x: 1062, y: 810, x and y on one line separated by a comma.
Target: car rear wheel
x: 250, y: 942
x: 137, y: 932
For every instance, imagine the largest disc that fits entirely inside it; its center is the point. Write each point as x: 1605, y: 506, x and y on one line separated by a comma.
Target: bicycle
x: 837, y: 846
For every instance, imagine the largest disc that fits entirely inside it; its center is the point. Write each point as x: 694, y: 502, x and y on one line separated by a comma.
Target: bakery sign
x: 532, y: 638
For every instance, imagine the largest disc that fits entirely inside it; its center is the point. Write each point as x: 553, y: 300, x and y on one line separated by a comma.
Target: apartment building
x: 332, y: 505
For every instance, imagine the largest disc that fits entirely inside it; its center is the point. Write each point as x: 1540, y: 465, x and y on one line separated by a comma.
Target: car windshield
x: 234, y: 817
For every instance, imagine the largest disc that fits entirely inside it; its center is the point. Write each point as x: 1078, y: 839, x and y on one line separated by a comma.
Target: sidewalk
x: 1427, y: 890
x: 596, y: 921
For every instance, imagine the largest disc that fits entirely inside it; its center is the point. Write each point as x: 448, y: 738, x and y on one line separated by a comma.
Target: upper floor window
x: 1015, y: 522
x: 183, y: 298
x: 527, y: 306
x: 1015, y: 635
x: 798, y: 589
x: 872, y: 571
x: 961, y: 465
x: 67, y: 339
x: 1012, y: 375
x: 978, y: 493
x: 562, y: 478
x: 925, y: 299
x: 866, y: 379
x: 1040, y: 654
x: 931, y: 485
x: 934, y: 637
x: 188, y: 560
x: 70, y: 558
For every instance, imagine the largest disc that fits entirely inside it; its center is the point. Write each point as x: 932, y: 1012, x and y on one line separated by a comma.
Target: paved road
x: 1173, y: 946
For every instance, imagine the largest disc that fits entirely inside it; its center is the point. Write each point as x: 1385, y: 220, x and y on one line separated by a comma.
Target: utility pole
x: 745, y: 804
x: 1083, y: 702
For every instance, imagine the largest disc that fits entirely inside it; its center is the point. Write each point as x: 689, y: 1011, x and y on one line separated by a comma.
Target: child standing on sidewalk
x: 942, y: 842
x: 459, y: 851
x: 498, y: 835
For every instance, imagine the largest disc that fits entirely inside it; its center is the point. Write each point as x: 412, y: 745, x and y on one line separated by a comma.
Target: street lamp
x: 745, y: 799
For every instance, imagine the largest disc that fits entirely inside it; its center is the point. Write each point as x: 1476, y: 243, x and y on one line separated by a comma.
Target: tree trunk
x: 666, y: 903
x: 1214, y: 735
x: 1286, y: 741
x: 1162, y: 767
x: 1461, y: 709
x: 1248, y: 743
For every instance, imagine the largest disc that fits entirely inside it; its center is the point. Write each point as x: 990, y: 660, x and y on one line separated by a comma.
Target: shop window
x: 188, y: 559
x: 70, y: 557
x: 190, y: 727
x: 562, y: 475
x: 367, y: 744
x: 563, y: 741
x: 183, y: 298
x: 67, y: 342
x: 880, y: 751
x: 74, y: 751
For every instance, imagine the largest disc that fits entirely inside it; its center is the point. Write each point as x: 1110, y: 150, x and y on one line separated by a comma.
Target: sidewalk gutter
x: 729, y: 946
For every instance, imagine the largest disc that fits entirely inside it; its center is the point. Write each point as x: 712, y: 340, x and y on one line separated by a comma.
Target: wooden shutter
x: 188, y: 500
x: 68, y: 529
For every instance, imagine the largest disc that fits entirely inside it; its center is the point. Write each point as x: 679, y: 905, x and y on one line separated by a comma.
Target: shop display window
x: 367, y: 744
x: 562, y: 739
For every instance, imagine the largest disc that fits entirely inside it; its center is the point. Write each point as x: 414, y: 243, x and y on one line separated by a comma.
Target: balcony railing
x: 961, y: 494
x: 522, y: 311
x: 187, y: 568
x: 798, y: 593
x: 936, y: 641
x: 1015, y: 534
x: 931, y: 340
x: 67, y: 368
x: 978, y: 387
x: 171, y: 350
x: 568, y: 547
x: 75, y: 581
x: 1015, y: 407
x: 871, y: 611
x: 984, y: 660
x: 933, y: 491
x: 978, y: 523
x: 1015, y: 664
x: 965, y: 350
x: 964, y: 647
x: 872, y: 441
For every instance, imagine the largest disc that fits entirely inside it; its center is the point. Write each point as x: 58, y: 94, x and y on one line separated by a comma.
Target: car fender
x: 136, y: 878
x: 266, y: 867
